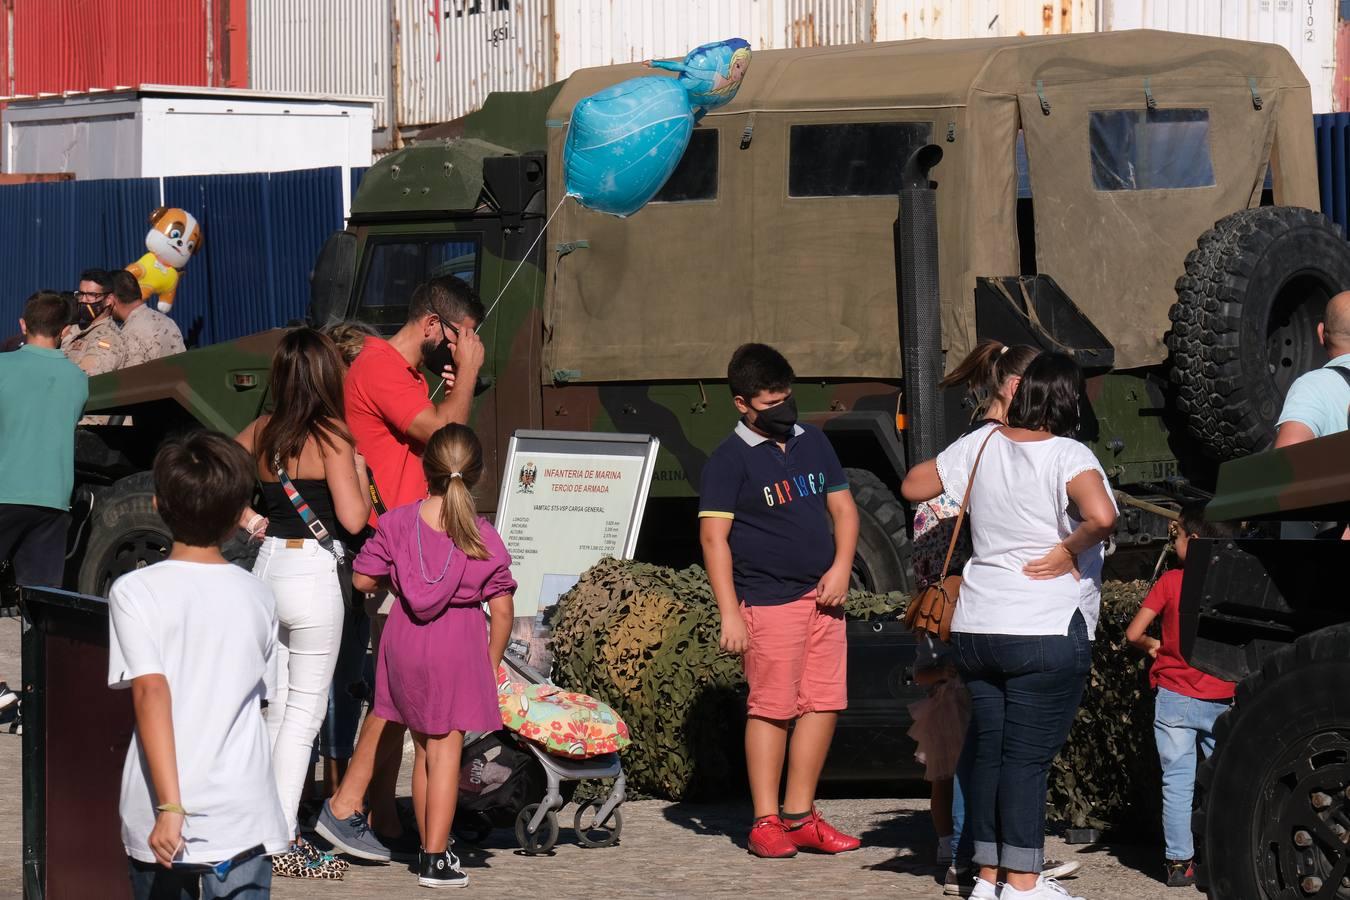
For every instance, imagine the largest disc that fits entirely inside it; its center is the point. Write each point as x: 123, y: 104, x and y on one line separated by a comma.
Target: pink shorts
x: 797, y: 661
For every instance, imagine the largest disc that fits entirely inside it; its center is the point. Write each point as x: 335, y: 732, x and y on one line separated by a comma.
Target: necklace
x: 421, y: 560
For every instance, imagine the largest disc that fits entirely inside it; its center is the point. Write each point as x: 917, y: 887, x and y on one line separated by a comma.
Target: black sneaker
x: 1180, y: 872
x: 436, y: 870
x: 7, y: 697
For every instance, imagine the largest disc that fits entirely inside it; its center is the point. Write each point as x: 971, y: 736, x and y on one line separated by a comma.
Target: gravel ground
x: 667, y: 850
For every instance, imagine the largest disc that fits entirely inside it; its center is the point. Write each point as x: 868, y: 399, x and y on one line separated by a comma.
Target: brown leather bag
x: 931, y: 609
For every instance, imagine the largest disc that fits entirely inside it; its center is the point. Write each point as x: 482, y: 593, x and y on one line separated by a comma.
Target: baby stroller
x: 507, y: 778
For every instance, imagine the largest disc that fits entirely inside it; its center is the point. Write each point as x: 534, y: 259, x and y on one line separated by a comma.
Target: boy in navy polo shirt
x: 780, y: 574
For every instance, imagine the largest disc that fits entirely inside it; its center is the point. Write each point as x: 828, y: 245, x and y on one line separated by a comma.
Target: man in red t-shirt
x: 391, y: 418
x: 1188, y: 701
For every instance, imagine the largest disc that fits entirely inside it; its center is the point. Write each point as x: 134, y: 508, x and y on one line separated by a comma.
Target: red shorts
x: 797, y: 661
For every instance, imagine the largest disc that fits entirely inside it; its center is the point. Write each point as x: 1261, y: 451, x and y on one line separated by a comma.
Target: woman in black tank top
x: 306, y: 438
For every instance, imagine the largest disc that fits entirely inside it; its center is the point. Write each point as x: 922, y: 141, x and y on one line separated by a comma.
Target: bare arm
x: 921, y: 482
x: 1135, y: 632
x: 833, y: 588
x: 1088, y: 493
x: 713, y: 534
x: 252, y: 521
x: 457, y: 404
x: 1293, y: 433
x: 350, y: 501
x: 501, y: 615
x: 153, y: 706
x: 368, y: 585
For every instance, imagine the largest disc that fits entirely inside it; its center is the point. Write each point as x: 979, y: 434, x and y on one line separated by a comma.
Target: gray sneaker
x: 351, y: 835
x: 959, y: 882
x: 1054, y: 868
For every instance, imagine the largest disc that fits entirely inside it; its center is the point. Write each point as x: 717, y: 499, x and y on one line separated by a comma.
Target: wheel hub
x: 135, y: 550
x: 1303, y: 846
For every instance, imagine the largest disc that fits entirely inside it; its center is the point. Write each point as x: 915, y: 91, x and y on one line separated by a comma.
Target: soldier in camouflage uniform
x: 146, y: 333
x: 98, y: 347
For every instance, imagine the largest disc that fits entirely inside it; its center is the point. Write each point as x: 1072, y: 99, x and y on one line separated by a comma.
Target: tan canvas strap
x: 965, y: 504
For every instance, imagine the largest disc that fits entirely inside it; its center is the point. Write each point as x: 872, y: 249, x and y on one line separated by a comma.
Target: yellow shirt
x: 158, y: 279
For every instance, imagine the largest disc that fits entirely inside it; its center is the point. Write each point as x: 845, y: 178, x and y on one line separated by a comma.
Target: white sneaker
x: 1045, y: 889
x: 984, y: 891
x: 1054, y: 868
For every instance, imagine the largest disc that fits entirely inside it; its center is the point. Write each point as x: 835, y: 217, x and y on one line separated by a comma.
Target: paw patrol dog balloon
x: 173, y: 237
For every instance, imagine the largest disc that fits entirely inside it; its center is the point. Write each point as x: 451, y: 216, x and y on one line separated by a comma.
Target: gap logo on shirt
x: 783, y: 492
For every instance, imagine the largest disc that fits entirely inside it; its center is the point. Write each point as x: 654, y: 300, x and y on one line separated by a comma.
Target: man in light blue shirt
x: 1318, y: 402
x: 41, y: 397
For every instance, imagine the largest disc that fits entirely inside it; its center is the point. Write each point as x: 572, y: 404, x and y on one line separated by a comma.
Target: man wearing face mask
x: 97, y: 346
x: 391, y: 418
x: 779, y: 528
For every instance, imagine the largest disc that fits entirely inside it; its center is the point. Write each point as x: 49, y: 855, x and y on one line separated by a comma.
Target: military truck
x: 1074, y: 207
x: 1273, y: 803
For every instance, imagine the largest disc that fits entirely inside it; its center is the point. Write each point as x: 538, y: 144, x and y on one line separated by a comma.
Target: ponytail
x: 985, y: 369
x: 453, y: 462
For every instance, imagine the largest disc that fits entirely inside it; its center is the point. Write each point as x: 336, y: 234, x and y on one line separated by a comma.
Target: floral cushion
x: 560, y: 721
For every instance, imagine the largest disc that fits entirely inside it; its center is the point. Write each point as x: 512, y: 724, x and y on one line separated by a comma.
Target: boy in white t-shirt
x: 193, y: 637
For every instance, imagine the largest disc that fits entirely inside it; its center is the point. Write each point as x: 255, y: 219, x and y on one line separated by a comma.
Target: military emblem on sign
x: 526, y: 482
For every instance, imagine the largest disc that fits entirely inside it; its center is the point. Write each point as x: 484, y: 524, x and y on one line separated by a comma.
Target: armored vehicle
x: 1273, y: 802
x: 1074, y: 207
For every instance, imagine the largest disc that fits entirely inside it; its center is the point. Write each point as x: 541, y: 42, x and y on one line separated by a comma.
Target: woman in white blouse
x: 1040, y: 508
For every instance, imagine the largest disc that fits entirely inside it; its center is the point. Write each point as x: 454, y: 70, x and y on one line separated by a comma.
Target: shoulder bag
x: 931, y: 609
x: 316, y: 528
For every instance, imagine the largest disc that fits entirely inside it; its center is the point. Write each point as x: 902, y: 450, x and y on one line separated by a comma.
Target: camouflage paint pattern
x: 1303, y: 481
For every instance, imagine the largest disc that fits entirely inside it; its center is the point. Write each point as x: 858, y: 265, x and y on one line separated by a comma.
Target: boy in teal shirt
x: 41, y: 397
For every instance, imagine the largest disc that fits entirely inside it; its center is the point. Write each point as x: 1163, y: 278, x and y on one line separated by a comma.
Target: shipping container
x: 450, y: 54
x: 902, y: 20
x: 1306, y: 28
x: 322, y: 47
x: 78, y: 45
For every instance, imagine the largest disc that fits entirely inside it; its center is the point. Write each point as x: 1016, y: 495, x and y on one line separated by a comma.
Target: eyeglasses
x: 92, y: 295
x: 453, y: 329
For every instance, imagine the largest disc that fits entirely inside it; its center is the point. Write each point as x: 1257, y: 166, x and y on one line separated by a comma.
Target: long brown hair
x: 453, y: 463
x: 986, y: 368
x: 307, y: 399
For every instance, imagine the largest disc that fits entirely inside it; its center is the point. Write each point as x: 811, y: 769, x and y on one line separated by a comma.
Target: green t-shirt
x: 41, y: 397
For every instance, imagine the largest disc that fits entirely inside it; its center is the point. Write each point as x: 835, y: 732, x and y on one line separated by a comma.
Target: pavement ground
x: 666, y: 850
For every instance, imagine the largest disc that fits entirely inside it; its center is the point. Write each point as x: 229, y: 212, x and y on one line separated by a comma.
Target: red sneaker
x: 817, y: 834
x: 769, y: 839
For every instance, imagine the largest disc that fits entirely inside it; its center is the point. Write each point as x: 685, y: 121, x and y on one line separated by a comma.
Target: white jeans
x: 303, y: 578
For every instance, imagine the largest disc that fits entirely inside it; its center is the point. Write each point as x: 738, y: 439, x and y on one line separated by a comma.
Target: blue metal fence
x: 263, y: 232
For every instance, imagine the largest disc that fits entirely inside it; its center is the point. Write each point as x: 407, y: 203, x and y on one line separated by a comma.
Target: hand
x: 647, y: 63
x: 1153, y: 650
x: 166, y: 839
x: 360, y: 463
x: 833, y: 587
x: 1059, y: 561
x: 735, y: 636
x: 469, y: 354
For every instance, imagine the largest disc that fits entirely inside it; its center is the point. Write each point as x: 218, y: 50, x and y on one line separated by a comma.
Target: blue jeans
x: 1024, y: 693
x: 337, y: 736
x: 249, y: 880
x: 1179, y: 724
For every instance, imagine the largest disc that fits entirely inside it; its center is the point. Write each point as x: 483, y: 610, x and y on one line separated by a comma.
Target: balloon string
x: 522, y: 262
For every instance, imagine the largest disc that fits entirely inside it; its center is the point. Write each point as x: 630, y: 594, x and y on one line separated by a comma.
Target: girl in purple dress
x: 437, y: 665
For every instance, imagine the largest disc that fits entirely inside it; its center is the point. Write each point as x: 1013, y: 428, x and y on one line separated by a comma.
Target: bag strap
x: 965, y: 503
x: 1344, y: 373
x: 306, y: 514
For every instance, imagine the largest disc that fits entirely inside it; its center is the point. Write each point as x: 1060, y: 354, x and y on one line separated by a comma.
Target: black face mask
x: 438, y: 357
x: 86, y: 313
x: 777, y: 421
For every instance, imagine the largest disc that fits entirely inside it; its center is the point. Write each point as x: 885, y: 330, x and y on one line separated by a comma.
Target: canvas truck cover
x: 783, y: 250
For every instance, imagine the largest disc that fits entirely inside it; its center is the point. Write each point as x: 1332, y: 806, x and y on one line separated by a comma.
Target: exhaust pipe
x: 916, y: 287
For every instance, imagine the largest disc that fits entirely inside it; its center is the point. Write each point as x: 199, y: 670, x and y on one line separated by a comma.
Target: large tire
x: 1279, y: 777
x: 882, y: 561
x: 1245, y: 322
x: 126, y: 534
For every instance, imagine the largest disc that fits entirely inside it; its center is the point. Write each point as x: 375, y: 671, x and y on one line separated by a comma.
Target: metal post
x: 916, y: 283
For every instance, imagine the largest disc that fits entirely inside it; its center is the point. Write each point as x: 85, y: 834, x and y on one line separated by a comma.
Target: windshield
x: 398, y: 264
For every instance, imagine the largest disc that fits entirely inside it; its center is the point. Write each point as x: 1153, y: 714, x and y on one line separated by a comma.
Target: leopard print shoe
x: 296, y: 863
x: 319, y: 857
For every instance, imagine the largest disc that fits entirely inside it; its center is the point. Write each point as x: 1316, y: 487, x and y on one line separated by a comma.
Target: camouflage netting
x: 643, y: 639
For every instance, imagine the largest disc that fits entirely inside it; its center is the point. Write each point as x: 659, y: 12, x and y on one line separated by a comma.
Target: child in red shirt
x: 1188, y: 701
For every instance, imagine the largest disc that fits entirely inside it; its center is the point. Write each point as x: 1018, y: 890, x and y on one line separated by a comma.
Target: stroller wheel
x: 472, y: 828
x: 597, y: 834
x: 541, y: 841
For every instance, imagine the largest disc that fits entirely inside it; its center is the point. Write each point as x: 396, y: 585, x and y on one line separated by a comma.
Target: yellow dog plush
x: 173, y: 237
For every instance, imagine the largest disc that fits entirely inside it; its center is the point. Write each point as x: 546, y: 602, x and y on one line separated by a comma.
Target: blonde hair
x: 350, y: 337
x: 453, y: 463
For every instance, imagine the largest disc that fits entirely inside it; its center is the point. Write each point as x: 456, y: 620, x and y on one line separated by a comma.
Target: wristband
x: 171, y: 808
x: 253, y: 523
x: 1065, y: 547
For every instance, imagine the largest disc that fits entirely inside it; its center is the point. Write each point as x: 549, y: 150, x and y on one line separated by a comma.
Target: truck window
x: 398, y: 265
x: 1147, y: 150
x: 695, y: 178
x: 855, y: 159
